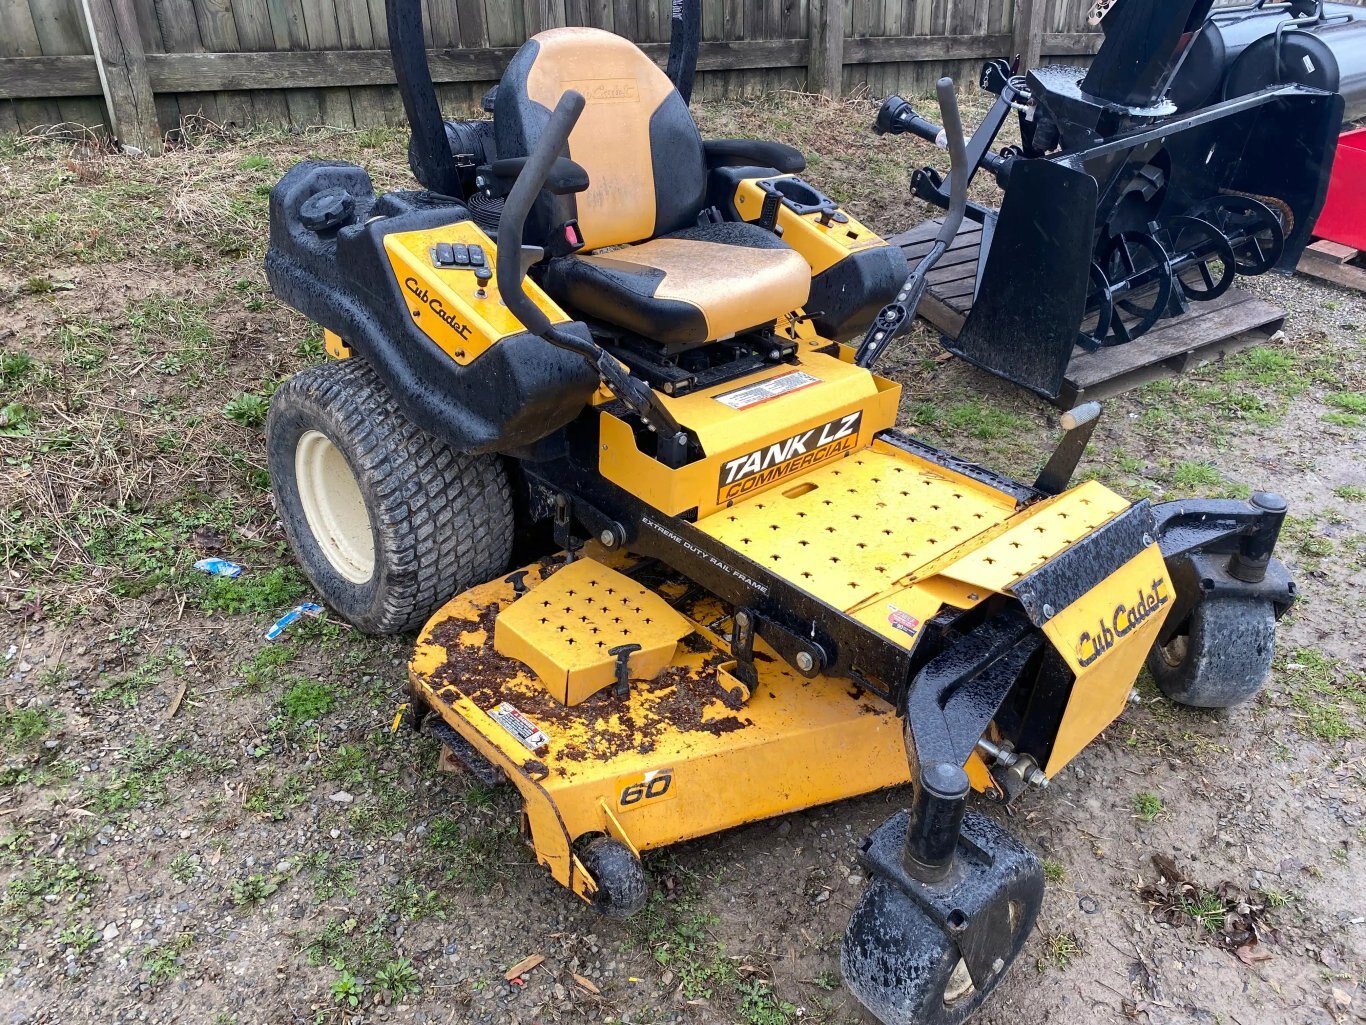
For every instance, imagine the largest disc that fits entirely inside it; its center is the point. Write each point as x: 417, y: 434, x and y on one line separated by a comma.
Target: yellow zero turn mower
x: 608, y: 346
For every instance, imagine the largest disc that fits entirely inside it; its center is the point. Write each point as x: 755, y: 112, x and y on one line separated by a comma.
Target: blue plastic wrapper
x: 219, y: 567
x: 291, y: 617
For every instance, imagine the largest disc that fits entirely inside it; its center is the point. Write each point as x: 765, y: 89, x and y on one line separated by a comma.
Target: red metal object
x: 1344, y: 211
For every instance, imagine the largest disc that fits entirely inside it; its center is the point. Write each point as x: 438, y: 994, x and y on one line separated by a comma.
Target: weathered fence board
x: 310, y: 62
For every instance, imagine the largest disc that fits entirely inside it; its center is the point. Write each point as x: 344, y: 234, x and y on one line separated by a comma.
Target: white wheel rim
x: 959, y: 984
x: 334, y: 507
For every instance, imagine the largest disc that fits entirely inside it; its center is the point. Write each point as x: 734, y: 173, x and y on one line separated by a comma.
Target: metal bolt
x: 997, y: 965
x: 608, y: 539
x: 805, y: 662
x: 1048, y: 611
x: 742, y: 619
x: 1147, y: 540
x: 1036, y: 778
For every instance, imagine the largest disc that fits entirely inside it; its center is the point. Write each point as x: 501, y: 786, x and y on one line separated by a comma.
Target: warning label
x: 763, y: 466
x: 511, y: 719
x: 753, y: 394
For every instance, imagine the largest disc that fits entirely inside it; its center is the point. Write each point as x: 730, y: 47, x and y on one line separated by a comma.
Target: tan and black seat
x: 671, y: 279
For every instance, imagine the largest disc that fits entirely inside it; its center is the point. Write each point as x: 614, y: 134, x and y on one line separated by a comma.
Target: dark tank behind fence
x: 1119, y: 207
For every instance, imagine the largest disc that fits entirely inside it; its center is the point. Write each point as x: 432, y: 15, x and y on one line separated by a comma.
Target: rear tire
x: 1220, y: 657
x: 386, y: 521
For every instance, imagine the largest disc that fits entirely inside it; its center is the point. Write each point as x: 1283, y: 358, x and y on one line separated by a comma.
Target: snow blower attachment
x: 1119, y: 209
x: 672, y: 566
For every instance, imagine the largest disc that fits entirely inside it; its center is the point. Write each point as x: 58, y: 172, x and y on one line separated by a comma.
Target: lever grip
x: 958, y: 160
x: 512, y: 221
x: 896, y: 116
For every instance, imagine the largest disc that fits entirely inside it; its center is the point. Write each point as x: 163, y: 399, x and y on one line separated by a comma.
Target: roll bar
x: 431, y: 153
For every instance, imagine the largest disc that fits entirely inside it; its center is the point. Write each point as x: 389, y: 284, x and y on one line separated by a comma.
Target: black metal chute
x: 685, y: 35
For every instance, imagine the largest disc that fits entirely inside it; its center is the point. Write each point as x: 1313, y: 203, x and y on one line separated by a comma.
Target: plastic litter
x: 291, y: 617
x: 219, y: 567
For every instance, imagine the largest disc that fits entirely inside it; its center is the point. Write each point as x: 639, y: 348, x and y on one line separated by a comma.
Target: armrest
x: 565, y: 177
x: 752, y: 152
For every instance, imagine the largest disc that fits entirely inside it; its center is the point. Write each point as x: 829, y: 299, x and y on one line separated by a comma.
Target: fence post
x: 1029, y: 24
x: 122, y: 64
x: 825, y: 63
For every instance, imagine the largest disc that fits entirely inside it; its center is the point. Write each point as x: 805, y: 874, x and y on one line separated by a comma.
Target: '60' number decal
x: 655, y: 785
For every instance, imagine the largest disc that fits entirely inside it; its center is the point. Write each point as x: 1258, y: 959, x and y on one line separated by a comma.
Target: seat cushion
x: 688, y: 287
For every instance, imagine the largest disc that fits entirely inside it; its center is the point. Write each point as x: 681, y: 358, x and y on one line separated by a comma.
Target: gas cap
x: 327, y: 210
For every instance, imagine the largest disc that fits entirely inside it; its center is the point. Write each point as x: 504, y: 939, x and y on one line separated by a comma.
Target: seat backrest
x: 636, y: 137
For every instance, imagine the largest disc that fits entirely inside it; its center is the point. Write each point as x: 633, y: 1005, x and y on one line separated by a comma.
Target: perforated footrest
x: 568, y: 628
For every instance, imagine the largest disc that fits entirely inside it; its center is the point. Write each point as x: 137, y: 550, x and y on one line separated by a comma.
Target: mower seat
x: 674, y: 281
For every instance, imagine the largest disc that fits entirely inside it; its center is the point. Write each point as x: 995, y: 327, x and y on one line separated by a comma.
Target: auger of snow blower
x: 1118, y: 210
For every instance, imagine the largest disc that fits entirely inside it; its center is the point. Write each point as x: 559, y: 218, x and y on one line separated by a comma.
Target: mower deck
x: 617, y: 765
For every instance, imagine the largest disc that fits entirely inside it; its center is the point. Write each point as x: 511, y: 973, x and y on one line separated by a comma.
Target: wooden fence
x: 135, y: 68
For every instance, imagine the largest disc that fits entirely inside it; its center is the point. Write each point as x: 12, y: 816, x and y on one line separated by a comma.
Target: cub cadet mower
x: 752, y: 594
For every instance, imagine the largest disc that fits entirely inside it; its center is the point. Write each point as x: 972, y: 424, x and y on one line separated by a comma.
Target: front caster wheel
x: 1220, y: 656
x: 931, y: 953
x: 622, y: 886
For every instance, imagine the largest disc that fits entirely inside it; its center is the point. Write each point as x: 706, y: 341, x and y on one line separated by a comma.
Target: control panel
x: 446, y: 277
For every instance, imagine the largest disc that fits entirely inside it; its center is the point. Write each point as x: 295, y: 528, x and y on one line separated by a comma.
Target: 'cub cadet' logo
x: 606, y: 90
x: 435, y: 304
x: 1124, y: 619
x: 745, y: 473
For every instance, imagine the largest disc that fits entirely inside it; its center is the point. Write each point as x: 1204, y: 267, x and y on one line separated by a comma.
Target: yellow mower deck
x: 681, y: 757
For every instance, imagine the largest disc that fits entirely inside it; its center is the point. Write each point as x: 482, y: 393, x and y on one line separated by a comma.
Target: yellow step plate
x: 573, y: 627
x: 851, y: 530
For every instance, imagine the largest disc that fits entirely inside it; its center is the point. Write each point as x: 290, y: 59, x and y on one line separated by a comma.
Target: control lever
x: 1079, y: 424
x: 637, y: 395
x: 896, y: 317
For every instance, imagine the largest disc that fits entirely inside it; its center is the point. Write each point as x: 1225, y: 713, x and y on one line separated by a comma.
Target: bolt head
x: 805, y: 662
x: 608, y: 539
x: 1147, y: 540
x: 1048, y: 611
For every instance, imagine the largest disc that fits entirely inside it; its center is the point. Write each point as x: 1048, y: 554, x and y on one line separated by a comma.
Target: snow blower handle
x: 896, y: 317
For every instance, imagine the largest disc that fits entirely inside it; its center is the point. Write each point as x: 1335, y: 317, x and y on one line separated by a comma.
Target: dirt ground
x: 200, y: 825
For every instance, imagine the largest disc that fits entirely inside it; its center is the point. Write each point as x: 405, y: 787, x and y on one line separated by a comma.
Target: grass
x: 1054, y: 871
x: 308, y: 701
x: 274, y: 591
x: 399, y: 978
x: 1059, y: 951
x: 1206, y: 909
x: 24, y: 726
x: 1147, y: 805
x: 1327, y: 696
x: 344, y: 945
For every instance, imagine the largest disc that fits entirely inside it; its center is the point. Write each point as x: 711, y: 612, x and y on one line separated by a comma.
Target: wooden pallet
x: 1332, y: 261
x: 1208, y: 331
